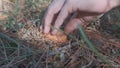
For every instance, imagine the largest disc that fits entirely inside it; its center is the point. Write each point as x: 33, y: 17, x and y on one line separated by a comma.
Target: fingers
x: 60, y: 19
x: 52, y: 10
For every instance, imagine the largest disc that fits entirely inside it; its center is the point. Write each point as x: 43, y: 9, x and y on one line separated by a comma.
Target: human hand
x: 88, y: 9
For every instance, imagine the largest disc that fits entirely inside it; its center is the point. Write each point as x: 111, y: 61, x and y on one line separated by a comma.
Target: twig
x: 4, y: 49
x: 39, y: 60
x: 59, y: 50
x: 88, y: 65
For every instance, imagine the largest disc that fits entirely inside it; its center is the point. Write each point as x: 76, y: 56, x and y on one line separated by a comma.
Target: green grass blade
x: 90, y: 45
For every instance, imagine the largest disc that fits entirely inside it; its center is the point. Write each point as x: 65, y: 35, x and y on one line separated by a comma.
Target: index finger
x: 54, y: 8
x: 60, y: 19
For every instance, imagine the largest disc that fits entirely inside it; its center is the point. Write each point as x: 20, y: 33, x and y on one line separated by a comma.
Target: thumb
x: 72, y: 25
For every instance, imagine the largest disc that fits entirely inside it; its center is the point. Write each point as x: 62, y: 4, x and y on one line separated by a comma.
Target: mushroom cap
x: 58, y: 38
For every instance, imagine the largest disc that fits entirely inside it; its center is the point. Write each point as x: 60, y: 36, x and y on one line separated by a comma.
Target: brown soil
x: 39, y: 51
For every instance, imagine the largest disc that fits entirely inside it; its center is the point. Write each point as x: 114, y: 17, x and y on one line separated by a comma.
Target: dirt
x: 66, y: 51
x: 110, y: 23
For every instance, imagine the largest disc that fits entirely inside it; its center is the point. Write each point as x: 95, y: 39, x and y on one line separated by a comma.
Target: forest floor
x: 23, y: 45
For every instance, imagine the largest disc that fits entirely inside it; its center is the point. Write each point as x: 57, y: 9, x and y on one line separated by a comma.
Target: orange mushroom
x: 59, y: 38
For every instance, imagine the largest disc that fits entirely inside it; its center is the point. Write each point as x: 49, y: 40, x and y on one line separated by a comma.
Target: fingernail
x: 54, y: 32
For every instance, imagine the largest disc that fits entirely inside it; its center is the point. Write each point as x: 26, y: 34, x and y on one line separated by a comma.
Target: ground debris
x: 35, y: 50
